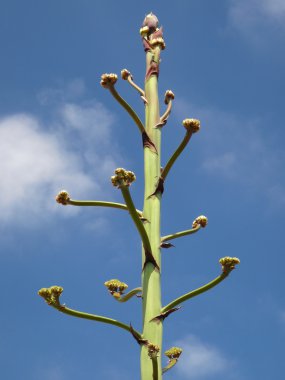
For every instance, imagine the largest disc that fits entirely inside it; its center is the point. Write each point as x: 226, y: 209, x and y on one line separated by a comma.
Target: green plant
x: 147, y: 221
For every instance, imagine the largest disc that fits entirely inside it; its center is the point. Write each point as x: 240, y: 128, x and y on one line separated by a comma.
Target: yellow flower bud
x: 192, y: 125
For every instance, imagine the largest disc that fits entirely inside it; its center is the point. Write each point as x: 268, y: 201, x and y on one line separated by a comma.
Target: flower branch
x: 168, y: 97
x: 116, y: 288
x: 228, y: 264
x: 52, y: 295
x: 191, y: 126
x: 122, y: 180
x: 126, y: 75
x: 64, y: 199
x: 198, y: 223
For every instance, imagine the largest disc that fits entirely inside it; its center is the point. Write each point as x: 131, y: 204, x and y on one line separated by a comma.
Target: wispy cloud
x: 37, y: 159
x: 201, y: 360
x: 253, y: 18
x: 50, y: 373
x: 240, y: 150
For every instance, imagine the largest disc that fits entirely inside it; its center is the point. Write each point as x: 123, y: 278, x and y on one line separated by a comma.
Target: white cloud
x: 254, y: 18
x: 71, y: 90
x: 237, y: 149
x: 73, y: 152
x: 201, y: 360
x: 51, y: 373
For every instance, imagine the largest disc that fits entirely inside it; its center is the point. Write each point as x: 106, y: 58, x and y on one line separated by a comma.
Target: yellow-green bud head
x: 173, y: 353
x: 192, y: 125
x: 108, y: 80
x: 153, y: 350
x: 122, y: 177
x: 62, y: 197
x: 228, y: 263
x: 169, y: 95
x: 51, y: 295
x: 144, y: 31
x: 116, y: 287
x: 201, y: 220
x: 125, y: 74
x: 157, y: 42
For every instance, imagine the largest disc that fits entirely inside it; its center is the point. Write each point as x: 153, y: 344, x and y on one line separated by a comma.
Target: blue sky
x: 60, y: 130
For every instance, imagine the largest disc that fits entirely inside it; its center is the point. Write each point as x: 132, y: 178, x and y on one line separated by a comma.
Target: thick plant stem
x: 151, y: 283
x: 195, y: 292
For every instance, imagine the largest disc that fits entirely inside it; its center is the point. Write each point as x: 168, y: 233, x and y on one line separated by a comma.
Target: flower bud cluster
x: 51, y: 295
x: 169, y: 95
x: 122, y: 177
x: 201, y: 220
x: 153, y: 350
x: 144, y: 31
x: 63, y: 197
x: 125, y: 74
x: 192, y: 125
x: 151, y: 34
x: 173, y: 353
x: 228, y: 263
x: 150, y: 22
x: 116, y: 287
x: 108, y: 80
x: 157, y: 42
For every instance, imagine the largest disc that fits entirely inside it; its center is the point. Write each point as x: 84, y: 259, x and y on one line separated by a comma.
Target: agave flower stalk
x: 147, y: 221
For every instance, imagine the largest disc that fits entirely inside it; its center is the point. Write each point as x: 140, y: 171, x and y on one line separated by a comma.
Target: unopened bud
x: 116, y: 287
x: 173, y: 353
x: 192, y: 125
x: 169, y: 95
x: 122, y: 177
x: 151, y: 21
x: 201, y: 220
x: 125, y: 74
x: 62, y: 197
x: 108, y: 80
x: 228, y: 263
x: 153, y: 350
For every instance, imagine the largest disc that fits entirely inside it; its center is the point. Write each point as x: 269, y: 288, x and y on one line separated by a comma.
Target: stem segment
x: 181, y: 233
x: 195, y: 292
x: 151, y: 282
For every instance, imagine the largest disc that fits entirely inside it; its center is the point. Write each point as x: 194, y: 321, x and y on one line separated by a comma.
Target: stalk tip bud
x: 108, y: 80
x: 151, y: 22
x: 153, y: 350
x: 169, y: 95
x: 116, y: 287
x: 201, y: 220
x: 122, y: 177
x: 228, y: 263
x: 51, y: 295
x: 144, y: 31
x: 125, y: 74
x: 63, y: 197
x: 192, y: 125
x: 173, y: 353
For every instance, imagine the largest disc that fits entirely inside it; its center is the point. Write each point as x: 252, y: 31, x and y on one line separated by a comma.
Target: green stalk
x: 127, y: 107
x: 195, y: 292
x: 133, y: 212
x: 151, y: 282
x: 92, y: 317
x: 129, y: 295
x: 175, y: 155
x: 101, y: 204
x: 181, y: 233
